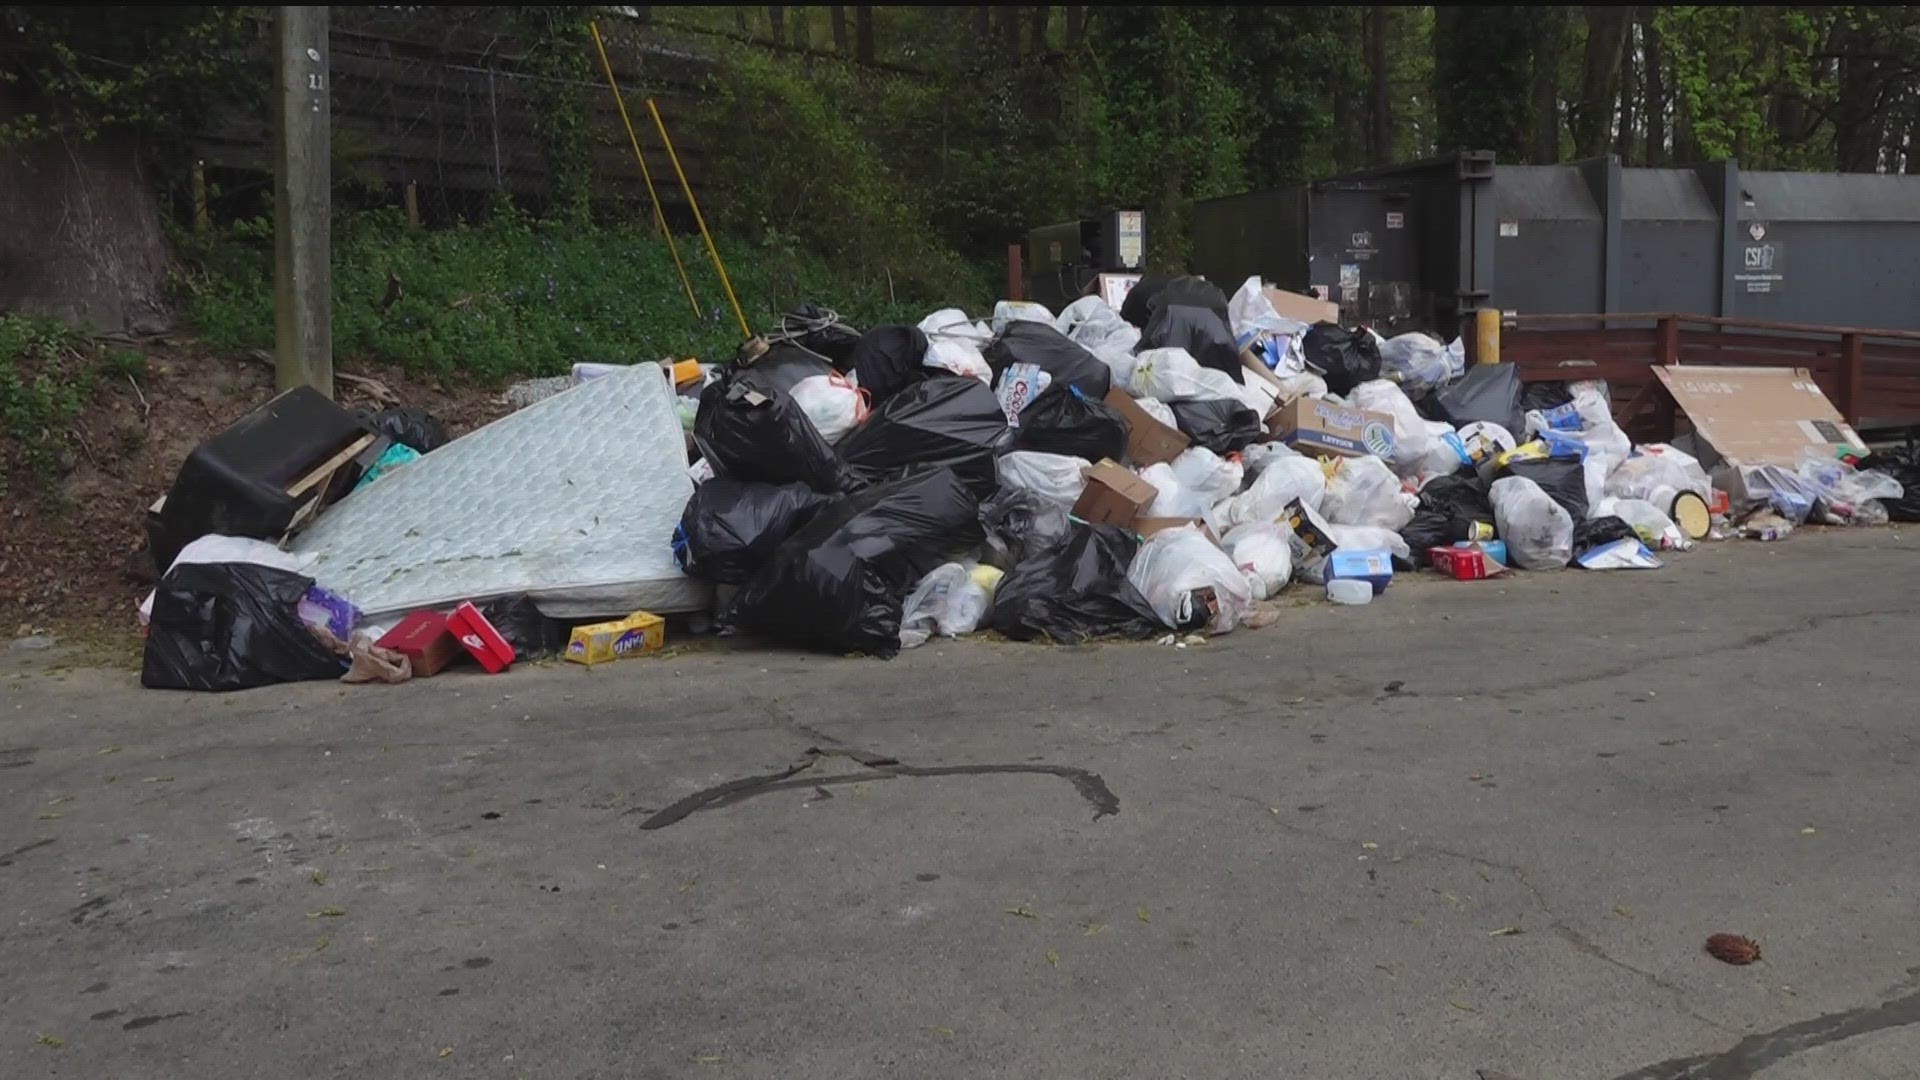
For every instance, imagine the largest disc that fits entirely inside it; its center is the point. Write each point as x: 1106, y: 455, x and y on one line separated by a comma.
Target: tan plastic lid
x: 1690, y: 513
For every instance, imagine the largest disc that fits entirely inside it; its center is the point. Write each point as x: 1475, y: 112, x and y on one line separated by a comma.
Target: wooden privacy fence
x: 1871, y: 376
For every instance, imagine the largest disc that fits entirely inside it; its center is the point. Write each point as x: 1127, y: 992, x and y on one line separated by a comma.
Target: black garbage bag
x: 1063, y: 420
x: 1488, y: 393
x: 533, y: 635
x: 1344, y: 358
x: 1156, y: 291
x: 1075, y: 591
x: 887, y: 360
x: 749, y: 434
x: 819, y: 330
x: 781, y: 369
x: 730, y: 528
x: 231, y: 626
x: 1564, y: 479
x: 1199, y: 331
x: 1018, y: 524
x: 1452, y: 508
x: 1028, y: 342
x: 1220, y: 425
x: 409, y: 426
x: 1903, y: 464
x: 950, y: 422
x: 1542, y: 396
x: 839, y: 583
x: 1588, y: 535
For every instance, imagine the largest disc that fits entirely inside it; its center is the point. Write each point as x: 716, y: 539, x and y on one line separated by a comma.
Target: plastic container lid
x: 1691, y: 514
x: 1350, y: 591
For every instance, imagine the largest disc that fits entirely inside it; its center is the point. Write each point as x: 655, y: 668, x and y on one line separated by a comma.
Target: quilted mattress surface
x: 572, y: 500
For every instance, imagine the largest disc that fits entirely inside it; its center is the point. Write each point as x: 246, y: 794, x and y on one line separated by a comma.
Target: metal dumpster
x: 1422, y: 244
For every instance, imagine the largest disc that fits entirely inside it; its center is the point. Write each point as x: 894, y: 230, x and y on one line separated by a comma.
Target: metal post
x: 1852, y: 378
x: 1486, y: 336
x: 1016, y: 278
x: 302, y: 179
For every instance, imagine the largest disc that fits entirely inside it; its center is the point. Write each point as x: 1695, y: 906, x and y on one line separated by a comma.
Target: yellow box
x: 635, y: 635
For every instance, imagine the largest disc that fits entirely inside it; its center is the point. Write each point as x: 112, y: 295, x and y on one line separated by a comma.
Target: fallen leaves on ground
x: 327, y: 913
x: 1733, y: 949
x: 1053, y: 957
x: 1023, y: 911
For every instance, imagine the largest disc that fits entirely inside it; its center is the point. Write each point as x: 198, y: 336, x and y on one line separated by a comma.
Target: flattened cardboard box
x: 1149, y: 442
x: 1756, y: 415
x: 1306, y: 309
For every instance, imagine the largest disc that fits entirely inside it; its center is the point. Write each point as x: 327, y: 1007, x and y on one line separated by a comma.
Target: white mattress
x: 572, y: 500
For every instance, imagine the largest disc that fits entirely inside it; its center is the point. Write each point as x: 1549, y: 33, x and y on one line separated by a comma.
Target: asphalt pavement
x: 1473, y: 829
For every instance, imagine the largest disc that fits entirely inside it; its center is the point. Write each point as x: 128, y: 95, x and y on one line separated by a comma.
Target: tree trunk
x: 982, y: 23
x: 1379, y: 88
x: 1606, y: 33
x: 1629, y: 98
x: 1543, y: 135
x: 1042, y: 15
x: 800, y: 27
x: 777, y: 22
x: 1856, y: 142
x: 837, y: 15
x: 1686, y: 149
x: 1653, y: 61
x: 863, y: 33
x: 1076, y: 24
x: 740, y: 20
x: 1009, y: 32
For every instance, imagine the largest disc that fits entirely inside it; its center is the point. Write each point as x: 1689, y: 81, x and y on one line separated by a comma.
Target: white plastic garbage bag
x: 1301, y: 384
x: 1250, y: 314
x: 1256, y: 456
x: 1175, y: 562
x: 1257, y: 394
x: 1208, y: 475
x: 1057, y: 478
x: 958, y: 356
x: 948, y: 602
x: 1416, y: 362
x: 1263, y: 550
x: 1538, y: 533
x: 1457, y: 358
x: 1119, y: 360
x: 1281, y: 481
x: 1410, y: 438
x: 1175, y: 500
x: 832, y: 402
x: 1654, y: 526
x: 1172, y: 374
x: 1093, y: 325
x: 1369, y: 538
x: 952, y: 324
x: 1008, y: 312
x: 1363, y: 491
x: 1655, y: 467
x: 1445, y: 452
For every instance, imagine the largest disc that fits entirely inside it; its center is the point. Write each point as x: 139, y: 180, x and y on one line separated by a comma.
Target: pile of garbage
x: 1169, y: 469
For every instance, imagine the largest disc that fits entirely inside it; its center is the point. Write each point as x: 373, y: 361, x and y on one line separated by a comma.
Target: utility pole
x: 302, y: 192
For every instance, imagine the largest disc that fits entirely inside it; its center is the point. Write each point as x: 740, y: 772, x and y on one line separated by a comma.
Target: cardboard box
x: 1114, y: 496
x: 1464, y: 564
x: 1146, y: 527
x: 636, y: 635
x: 1746, y: 416
x: 1306, y: 309
x: 476, y: 635
x: 1149, y: 442
x: 423, y: 638
x: 1313, y: 426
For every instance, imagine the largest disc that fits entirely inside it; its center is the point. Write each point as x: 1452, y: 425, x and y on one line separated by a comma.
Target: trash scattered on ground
x: 1733, y: 949
x: 1169, y: 470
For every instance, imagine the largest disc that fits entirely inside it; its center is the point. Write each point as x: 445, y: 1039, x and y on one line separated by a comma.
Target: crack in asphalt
x: 1089, y: 785
x: 1751, y: 1055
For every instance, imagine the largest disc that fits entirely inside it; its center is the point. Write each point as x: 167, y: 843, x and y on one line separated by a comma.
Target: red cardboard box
x: 422, y: 637
x: 1464, y: 564
x: 478, y: 637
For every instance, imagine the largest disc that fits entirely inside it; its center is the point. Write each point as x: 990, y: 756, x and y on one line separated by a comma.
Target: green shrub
x: 514, y: 297
x: 46, y: 377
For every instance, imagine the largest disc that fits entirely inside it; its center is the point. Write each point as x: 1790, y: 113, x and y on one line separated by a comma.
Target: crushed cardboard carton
x: 1149, y: 442
x: 1306, y: 309
x: 1756, y: 415
x: 1311, y: 425
x: 1114, y: 495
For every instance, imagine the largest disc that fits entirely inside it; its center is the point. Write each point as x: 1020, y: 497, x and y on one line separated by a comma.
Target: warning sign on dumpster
x: 1757, y: 415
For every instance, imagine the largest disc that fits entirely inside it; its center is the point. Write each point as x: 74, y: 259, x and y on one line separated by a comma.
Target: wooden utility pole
x: 302, y: 189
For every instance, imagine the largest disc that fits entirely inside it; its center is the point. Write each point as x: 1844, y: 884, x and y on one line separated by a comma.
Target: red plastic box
x: 478, y: 637
x: 1463, y: 564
